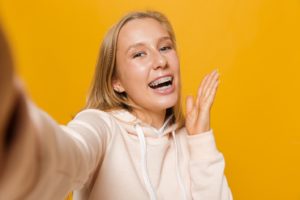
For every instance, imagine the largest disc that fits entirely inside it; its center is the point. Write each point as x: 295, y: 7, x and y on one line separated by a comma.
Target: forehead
x: 141, y: 31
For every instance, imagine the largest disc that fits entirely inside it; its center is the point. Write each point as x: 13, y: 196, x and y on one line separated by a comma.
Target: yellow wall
x: 254, y: 43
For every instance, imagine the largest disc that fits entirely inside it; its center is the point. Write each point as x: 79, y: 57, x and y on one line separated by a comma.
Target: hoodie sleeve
x: 207, y: 168
x: 46, y: 160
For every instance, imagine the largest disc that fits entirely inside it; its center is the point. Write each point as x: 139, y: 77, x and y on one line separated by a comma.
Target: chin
x: 167, y: 103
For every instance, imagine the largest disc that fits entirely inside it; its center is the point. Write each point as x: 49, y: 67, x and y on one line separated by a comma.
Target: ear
x: 117, y: 85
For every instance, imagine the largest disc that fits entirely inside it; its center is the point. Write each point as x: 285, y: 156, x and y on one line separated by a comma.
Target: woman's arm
x: 8, y: 93
x: 49, y: 160
x: 206, y: 166
x: 39, y: 158
x: 206, y: 162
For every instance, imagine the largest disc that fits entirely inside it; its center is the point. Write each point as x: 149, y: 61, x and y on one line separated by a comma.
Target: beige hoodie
x: 109, y: 156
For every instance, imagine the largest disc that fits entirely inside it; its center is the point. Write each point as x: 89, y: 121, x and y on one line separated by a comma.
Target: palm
x: 198, y: 112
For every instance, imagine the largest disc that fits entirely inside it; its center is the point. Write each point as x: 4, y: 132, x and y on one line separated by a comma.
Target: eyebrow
x: 142, y: 44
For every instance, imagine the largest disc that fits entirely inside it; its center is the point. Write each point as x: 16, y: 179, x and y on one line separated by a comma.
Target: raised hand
x: 198, y: 111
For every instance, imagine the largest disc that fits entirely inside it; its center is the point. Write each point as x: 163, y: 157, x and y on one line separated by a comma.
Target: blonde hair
x: 102, y: 95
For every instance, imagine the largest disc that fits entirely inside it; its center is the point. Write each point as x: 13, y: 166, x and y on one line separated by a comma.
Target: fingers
x: 213, y: 91
x: 189, y: 104
x: 210, y: 79
x: 212, y: 84
x: 207, y: 85
x: 191, y: 112
x: 200, y: 90
x: 203, y: 83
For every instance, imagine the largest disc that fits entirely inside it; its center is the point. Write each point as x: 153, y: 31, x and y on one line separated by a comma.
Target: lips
x: 162, y: 82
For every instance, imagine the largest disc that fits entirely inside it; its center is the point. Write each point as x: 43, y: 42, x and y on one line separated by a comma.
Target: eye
x: 165, y: 48
x: 139, y: 54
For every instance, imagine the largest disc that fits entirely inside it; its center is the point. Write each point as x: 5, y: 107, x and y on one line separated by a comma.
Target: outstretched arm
x: 8, y: 94
x: 38, y: 157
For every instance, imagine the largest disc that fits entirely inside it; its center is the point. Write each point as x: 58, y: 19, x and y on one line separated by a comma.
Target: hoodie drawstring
x: 179, y: 178
x: 143, y: 148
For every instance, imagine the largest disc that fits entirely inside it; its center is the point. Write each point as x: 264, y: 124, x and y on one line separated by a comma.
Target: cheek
x: 138, y: 68
x: 133, y: 76
x: 175, y: 65
x: 173, y: 60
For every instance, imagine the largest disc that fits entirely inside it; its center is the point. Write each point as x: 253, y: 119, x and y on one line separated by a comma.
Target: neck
x: 155, y: 119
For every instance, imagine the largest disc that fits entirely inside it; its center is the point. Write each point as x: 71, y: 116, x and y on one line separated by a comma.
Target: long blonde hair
x: 102, y: 95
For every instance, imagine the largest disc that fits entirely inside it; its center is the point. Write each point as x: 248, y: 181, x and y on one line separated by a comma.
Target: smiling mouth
x: 161, y: 83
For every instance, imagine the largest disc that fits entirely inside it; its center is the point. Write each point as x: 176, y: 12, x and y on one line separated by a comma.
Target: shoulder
x: 95, y: 118
x: 91, y: 115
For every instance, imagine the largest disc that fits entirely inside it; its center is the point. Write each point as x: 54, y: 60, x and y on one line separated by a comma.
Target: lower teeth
x: 163, y: 87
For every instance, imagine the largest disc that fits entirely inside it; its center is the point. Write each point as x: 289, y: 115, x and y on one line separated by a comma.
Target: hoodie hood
x: 129, y: 122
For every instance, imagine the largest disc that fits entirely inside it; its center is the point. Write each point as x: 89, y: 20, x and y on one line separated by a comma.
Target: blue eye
x: 139, y: 54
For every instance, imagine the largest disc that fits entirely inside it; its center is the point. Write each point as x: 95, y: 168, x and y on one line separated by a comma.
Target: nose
x: 160, y: 61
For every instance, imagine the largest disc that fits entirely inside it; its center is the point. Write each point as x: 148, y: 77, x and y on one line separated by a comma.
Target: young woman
x: 132, y: 141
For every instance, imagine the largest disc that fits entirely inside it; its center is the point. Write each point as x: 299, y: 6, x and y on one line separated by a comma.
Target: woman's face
x: 147, y: 65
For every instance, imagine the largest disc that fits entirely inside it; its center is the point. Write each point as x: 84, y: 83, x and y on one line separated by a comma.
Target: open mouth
x: 161, y: 83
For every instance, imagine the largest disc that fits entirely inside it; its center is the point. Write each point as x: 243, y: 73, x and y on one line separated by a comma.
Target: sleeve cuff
x: 202, y: 146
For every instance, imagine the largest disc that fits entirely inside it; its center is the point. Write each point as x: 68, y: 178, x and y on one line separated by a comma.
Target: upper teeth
x: 161, y: 80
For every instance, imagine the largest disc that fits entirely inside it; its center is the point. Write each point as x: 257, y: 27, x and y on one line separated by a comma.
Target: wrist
x: 200, y: 125
x: 204, y: 121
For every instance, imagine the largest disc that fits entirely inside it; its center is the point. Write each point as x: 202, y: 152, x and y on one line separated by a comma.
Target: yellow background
x: 255, y: 44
